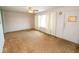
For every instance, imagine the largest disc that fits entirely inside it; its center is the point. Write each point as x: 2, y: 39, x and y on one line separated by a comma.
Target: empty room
x: 39, y: 29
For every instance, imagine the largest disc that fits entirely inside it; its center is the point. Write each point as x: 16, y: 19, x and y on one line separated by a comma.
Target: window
x: 42, y: 21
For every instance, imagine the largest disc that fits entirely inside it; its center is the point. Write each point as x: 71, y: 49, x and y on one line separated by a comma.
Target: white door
x: 1, y: 34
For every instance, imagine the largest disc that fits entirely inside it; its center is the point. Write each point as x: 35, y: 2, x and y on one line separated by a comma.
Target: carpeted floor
x: 36, y: 42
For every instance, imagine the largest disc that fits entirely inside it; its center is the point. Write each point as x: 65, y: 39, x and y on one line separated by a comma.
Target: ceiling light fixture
x: 31, y: 10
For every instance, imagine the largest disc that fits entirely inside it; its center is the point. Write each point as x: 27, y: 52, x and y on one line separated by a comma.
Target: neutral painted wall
x: 63, y: 28
x: 1, y: 34
x: 71, y: 29
x: 14, y: 21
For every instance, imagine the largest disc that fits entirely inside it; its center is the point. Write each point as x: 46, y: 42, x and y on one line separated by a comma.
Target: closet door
x: 52, y: 23
x: 1, y: 34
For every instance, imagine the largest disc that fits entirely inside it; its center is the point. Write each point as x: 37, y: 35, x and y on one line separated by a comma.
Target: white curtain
x: 48, y: 22
x: 52, y: 23
x: 36, y: 22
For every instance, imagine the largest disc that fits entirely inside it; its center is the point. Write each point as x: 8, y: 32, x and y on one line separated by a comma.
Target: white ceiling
x: 24, y: 8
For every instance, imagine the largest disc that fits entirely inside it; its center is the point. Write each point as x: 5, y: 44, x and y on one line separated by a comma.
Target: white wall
x: 1, y: 34
x: 71, y: 30
x: 63, y: 28
x: 14, y: 21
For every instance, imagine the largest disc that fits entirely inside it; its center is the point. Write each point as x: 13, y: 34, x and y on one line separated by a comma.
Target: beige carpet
x: 34, y: 41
